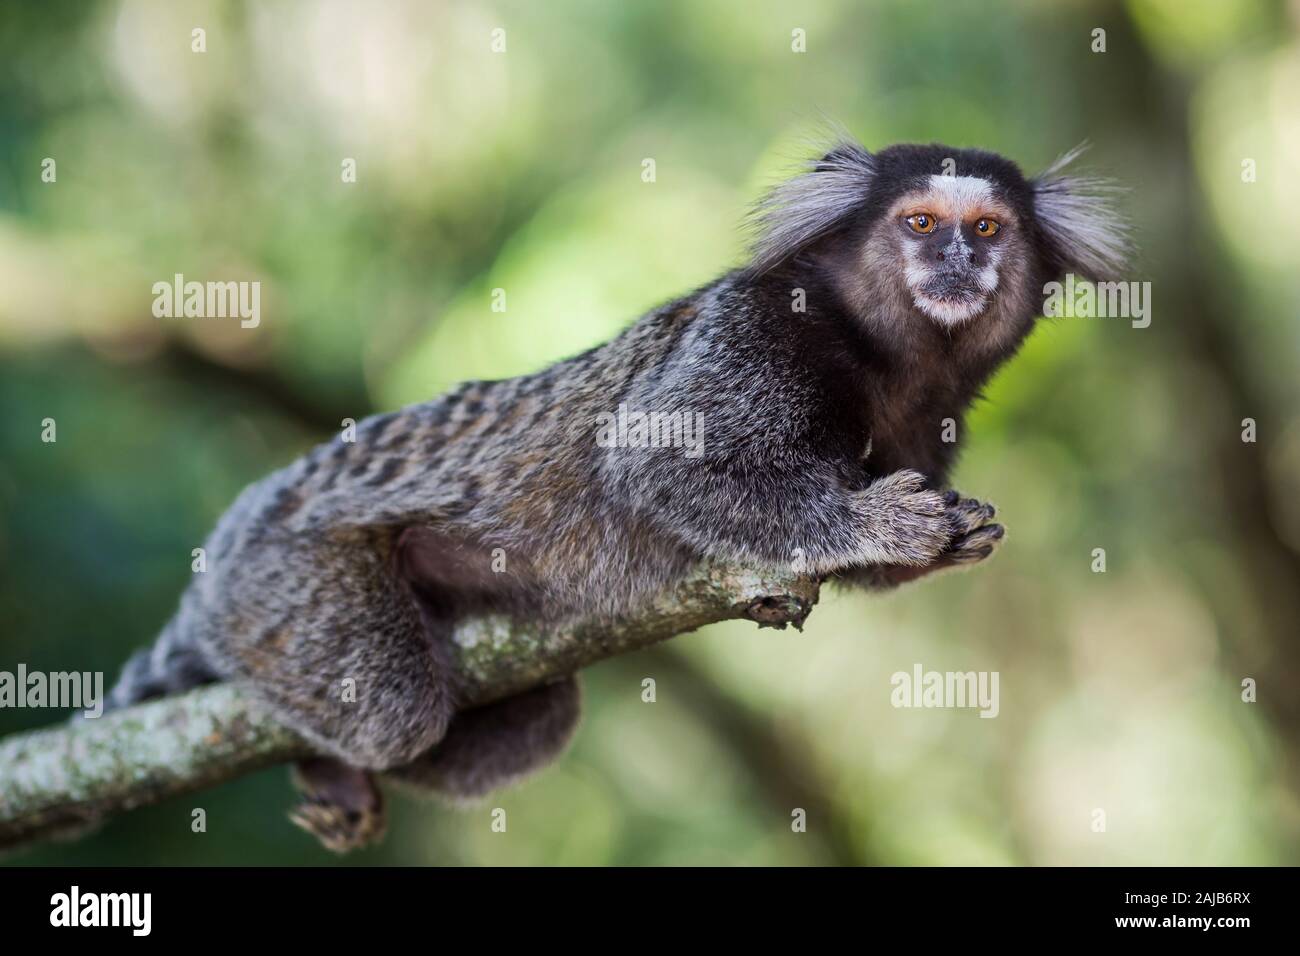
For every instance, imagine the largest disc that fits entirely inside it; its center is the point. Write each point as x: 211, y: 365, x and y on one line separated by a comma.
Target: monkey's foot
x: 974, y: 533
x: 341, y: 805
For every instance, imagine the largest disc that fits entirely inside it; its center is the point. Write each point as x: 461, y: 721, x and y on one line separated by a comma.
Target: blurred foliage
x: 522, y: 171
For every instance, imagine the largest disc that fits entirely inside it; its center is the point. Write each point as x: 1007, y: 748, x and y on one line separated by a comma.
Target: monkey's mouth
x: 951, y: 298
x: 965, y: 296
x: 955, y: 288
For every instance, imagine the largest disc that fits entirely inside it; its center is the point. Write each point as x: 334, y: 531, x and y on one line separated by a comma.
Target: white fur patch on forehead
x: 960, y: 192
x: 953, y: 197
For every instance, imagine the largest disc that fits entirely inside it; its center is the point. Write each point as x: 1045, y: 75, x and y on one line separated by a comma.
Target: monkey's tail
x: 173, y: 664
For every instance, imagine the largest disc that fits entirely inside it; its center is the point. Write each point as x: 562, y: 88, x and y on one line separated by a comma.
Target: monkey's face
x: 952, y: 237
x: 940, y: 235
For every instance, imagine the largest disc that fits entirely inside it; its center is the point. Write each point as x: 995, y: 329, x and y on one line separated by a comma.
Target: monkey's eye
x: 987, y: 227
x: 922, y: 222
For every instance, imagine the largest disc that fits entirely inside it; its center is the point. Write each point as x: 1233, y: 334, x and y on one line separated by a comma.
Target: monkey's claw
x: 974, y: 533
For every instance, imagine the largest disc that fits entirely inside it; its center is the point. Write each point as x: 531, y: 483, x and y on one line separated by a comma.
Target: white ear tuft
x: 811, y: 205
x: 1080, y: 220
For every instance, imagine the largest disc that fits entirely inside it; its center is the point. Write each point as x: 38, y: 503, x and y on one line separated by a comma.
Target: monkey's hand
x: 906, y: 523
x: 973, y: 537
x: 974, y: 533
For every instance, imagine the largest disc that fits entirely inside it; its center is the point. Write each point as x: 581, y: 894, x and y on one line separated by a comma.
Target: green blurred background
x: 522, y: 170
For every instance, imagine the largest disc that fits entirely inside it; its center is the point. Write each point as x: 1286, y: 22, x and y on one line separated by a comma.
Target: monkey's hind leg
x: 488, y: 747
x: 485, y: 749
x: 341, y: 806
x: 332, y: 641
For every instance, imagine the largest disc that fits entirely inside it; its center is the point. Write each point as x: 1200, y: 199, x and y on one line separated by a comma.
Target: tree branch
x: 59, y: 781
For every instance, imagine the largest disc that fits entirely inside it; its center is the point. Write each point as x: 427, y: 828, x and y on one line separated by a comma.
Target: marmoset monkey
x: 883, y: 291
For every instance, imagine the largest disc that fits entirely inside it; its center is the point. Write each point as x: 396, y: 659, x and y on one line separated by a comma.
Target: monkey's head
x: 935, y: 234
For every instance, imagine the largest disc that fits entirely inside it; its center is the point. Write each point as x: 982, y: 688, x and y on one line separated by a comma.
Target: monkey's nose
x: 957, y: 255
